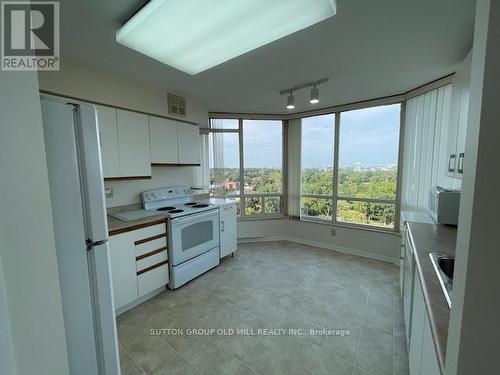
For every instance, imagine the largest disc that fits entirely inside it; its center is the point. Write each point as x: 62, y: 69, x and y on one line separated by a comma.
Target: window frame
x: 335, y: 198
x: 242, y: 195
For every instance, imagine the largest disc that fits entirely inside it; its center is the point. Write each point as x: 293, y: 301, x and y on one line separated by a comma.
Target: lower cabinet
x: 123, y: 273
x: 227, y: 227
x: 139, y: 263
x: 422, y: 354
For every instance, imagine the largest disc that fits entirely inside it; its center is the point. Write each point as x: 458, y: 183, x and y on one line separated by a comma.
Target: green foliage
x: 379, y: 184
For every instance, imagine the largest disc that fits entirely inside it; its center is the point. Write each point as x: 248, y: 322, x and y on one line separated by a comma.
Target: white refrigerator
x: 81, y: 234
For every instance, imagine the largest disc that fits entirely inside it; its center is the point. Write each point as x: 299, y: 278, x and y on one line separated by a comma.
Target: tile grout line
x: 362, y: 329
x: 132, y: 358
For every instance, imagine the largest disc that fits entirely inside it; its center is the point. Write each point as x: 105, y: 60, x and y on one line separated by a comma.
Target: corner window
x: 360, y: 185
x: 246, y: 163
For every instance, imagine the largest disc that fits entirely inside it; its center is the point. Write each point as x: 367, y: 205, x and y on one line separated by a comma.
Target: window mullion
x: 242, y: 177
x: 335, y: 166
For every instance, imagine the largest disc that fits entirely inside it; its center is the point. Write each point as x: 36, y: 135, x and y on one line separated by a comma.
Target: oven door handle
x: 182, y: 219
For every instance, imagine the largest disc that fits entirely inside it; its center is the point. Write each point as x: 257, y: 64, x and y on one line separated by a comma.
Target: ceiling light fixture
x: 314, y: 95
x: 290, y: 101
x: 194, y: 36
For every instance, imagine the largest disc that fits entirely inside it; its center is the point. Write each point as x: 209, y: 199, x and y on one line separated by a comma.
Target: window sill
x: 352, y: 226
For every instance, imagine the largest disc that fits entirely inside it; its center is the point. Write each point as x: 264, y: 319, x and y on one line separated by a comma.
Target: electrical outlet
x: 108, y: 192
x: 333, y: 232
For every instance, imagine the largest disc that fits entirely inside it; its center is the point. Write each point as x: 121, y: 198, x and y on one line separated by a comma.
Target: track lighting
x: 290, y: 101
x: 314, y: 95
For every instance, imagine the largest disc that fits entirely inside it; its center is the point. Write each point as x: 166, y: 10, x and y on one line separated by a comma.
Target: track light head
x: 314, y: 95
x: 290, y: 101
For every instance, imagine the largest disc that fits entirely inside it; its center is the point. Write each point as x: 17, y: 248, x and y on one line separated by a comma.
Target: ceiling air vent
x: 176, y: 105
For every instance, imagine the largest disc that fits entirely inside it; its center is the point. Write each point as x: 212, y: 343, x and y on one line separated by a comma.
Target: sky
x: 368, y: 136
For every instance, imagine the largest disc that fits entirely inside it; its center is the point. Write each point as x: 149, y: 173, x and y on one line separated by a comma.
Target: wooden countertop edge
x: 440, y: 346
x: 132, y: 227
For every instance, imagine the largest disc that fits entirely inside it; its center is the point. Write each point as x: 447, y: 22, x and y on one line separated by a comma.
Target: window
x: 317, y: 167
x: 365, y: 192
x: 256, y: 180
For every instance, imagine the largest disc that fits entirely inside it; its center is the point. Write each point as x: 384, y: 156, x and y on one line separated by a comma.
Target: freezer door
x: 91, y: 173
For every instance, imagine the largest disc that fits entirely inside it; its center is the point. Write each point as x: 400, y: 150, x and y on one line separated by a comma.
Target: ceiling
x: 369, y: 49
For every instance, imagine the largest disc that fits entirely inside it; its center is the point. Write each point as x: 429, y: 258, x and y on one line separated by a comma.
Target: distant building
x: 231, y: 185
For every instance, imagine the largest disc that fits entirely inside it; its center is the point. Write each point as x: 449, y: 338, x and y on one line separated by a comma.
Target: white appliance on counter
x: 81, y: 235
x: 192, y: 232
x: 444, y: 205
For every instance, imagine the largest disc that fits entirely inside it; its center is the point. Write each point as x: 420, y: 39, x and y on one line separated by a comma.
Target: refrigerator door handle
x: 91, y: 244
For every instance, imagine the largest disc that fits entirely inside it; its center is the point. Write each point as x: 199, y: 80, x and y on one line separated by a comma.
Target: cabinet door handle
x: 222, y: 226
x: 460, y: 168
x: 451, y: 163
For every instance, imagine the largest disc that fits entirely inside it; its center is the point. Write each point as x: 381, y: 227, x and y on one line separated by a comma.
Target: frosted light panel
x: 194, y: 35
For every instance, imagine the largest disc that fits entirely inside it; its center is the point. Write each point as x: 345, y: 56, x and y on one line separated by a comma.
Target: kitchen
x: 227, y: 212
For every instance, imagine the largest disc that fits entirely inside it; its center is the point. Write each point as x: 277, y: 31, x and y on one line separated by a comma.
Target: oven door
x: 193, y: 235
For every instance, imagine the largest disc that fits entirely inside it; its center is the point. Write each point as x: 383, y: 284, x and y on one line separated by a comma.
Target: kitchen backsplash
x: 128, y: 191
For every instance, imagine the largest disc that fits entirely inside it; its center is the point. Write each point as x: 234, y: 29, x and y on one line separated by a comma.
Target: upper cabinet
x: 458, y: 119
x: 188, y: 144
x: 163, y: 139
x: 133, y: 144
x: 108, y: 132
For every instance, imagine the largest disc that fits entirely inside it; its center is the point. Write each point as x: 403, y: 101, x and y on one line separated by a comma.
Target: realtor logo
x: 30, y: 35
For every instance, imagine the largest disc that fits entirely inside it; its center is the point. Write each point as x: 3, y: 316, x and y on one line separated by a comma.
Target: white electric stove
x: 192, y: 229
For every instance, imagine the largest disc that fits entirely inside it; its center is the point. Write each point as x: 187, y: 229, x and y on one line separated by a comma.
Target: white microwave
x: 444, y: 205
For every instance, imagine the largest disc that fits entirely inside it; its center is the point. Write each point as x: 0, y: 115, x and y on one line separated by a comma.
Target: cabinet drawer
x: 150, y: 246
x: 145, y: 233
x: 153, y: 279
x: 151, y: 260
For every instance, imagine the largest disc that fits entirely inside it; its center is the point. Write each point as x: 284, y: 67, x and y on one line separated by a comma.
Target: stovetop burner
x: 190, y: 204
x: 175, y: 211
x: 165, y: 209
x: 200, y: 205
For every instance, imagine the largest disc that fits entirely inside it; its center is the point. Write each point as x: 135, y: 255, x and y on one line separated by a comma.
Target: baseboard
x: 321, y: 245
x: 140, y: 300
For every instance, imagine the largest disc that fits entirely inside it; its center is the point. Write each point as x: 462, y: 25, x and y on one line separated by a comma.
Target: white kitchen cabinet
x: 188, y: 143
x: 458, y: 119
x: 227, y: 227
x: 422, y: 354
x: 139, y: 264
x: 417, y: 326
x: 123, y: 268
x: 163, y: 140
x: 133, y: 143
x: 108, y: 133
x: 430, y: 365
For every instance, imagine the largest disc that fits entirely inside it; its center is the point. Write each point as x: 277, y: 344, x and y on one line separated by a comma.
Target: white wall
x: 473, y: 341
x: 7, y: 365
x: 88, y: 83
x: 372, y: 244
x: 27, y: 245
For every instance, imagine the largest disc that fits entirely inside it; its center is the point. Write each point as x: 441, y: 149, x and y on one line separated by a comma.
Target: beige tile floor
x: 278, y: 285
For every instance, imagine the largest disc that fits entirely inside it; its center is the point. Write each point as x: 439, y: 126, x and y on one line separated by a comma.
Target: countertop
x: 432, y: 238
x: 416, y: 216
x: 117, y: 226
